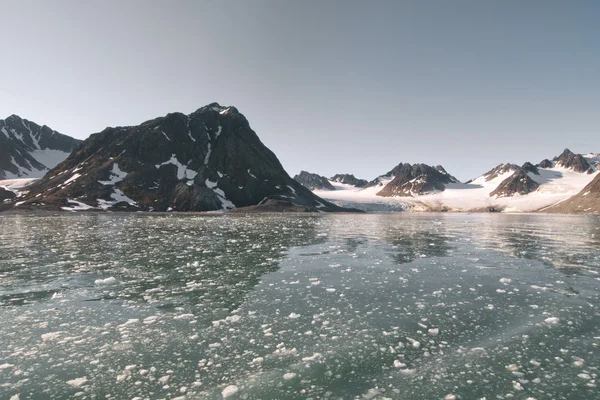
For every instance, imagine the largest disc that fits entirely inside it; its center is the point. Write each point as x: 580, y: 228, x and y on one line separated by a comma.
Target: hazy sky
x: 329, y: 86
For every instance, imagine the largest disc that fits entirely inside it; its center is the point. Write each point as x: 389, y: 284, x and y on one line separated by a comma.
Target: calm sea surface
x: 387, y: 306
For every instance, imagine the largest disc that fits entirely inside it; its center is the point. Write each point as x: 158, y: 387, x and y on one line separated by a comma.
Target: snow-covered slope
x: 554, y: 185
x: 28, y: 150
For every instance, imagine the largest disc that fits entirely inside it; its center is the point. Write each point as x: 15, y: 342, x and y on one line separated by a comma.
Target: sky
x: 330, y: 86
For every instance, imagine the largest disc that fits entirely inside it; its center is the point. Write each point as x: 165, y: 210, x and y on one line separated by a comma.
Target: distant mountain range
x: 28, y: 150
x: 212, y: 160
x: 206, y: 161
x: 550, y: 186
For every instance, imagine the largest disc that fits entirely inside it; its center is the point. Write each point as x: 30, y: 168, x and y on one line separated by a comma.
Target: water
x: 397, y: 306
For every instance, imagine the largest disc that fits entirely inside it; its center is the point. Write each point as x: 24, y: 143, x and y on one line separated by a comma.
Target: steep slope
x: 570, y: 160
x: 28, y: 150
x: 587, y: 201
x: 417, y: 179
x: 313, y: 181
x: 208, y: 160
x: 349, y: 179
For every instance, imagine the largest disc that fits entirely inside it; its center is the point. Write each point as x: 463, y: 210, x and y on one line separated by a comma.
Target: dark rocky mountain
x: 313, y: 181
x: 409, y: 180
x: 28, y: 150
x: 573, y: 161
x: 529, y: 167
x: 517, y: 183
x: 546, y: 164
x: 349, y: 179
x: 208, y: 160
x: 586, y: 201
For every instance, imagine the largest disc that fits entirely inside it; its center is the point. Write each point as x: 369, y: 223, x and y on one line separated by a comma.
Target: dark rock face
x: 350, y: 179
x: 6, y: 195
x: 313, y: 181
x: 208, y: 160
x: 587, y: 201
x: 517, y: 183
x: 28, y: 150
x: 529, y: 167
x: 573, y: 161
x: 415, y: 179
x: 546, y: 164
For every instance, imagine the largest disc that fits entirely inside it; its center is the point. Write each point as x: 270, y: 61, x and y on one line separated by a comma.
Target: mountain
x: 313, y: 181
x: 208, y: 160
x: 570, y: 160
x: 586, y: 201
x: 349, y: 179
x: 518, y: 183
x: 416, y: 179
x: 28, y: 150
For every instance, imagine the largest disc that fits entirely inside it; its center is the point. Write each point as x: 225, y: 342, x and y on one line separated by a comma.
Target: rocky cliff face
x: 208, y: 160
x: 409, y: 180
x: 28, y: 150
x: 573, y: 161
x: 313, y: 181
x: 349, y: 179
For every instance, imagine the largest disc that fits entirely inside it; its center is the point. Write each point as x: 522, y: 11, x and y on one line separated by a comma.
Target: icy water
x: 396, y: 306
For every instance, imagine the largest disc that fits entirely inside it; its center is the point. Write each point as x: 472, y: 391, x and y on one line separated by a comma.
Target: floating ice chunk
x: 433, y: 331
x: 398, y: 364
x: 50, y: 336
x: 450, y: 397
x: 108, y: 281
x: 293, y: 316
x: 150, y: 320
x: 314, y: 357
x: 371, y: 394
x: 415, y: 343
x: 6, y: 366
x: 78, y: 382
x: 288, y: 376
x: 505, y: 281
x: 184, y: 316
x: 517, y: 386
x: 551, y: 320
x: 15, y: 397
x: 229, y: 391
x: 130, y: 322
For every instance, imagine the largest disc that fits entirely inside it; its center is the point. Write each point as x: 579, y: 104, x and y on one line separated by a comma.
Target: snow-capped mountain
x: 507, y: 187
x: 349, y: 179
x: 208, y: 160
x: 28, y: 150
x: 313, y: 181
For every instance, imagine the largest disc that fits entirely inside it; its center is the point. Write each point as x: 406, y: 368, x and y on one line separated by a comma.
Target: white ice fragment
x: 294, y: 316
x: 229, y: 391
x: 398, y: 364
x: 314, y: 357
x: 289, y: 375
x: 108, y: 281
x: 551, y: 321
x: 433, y: 331
x: 505, y: 281
x: 78, y: 382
